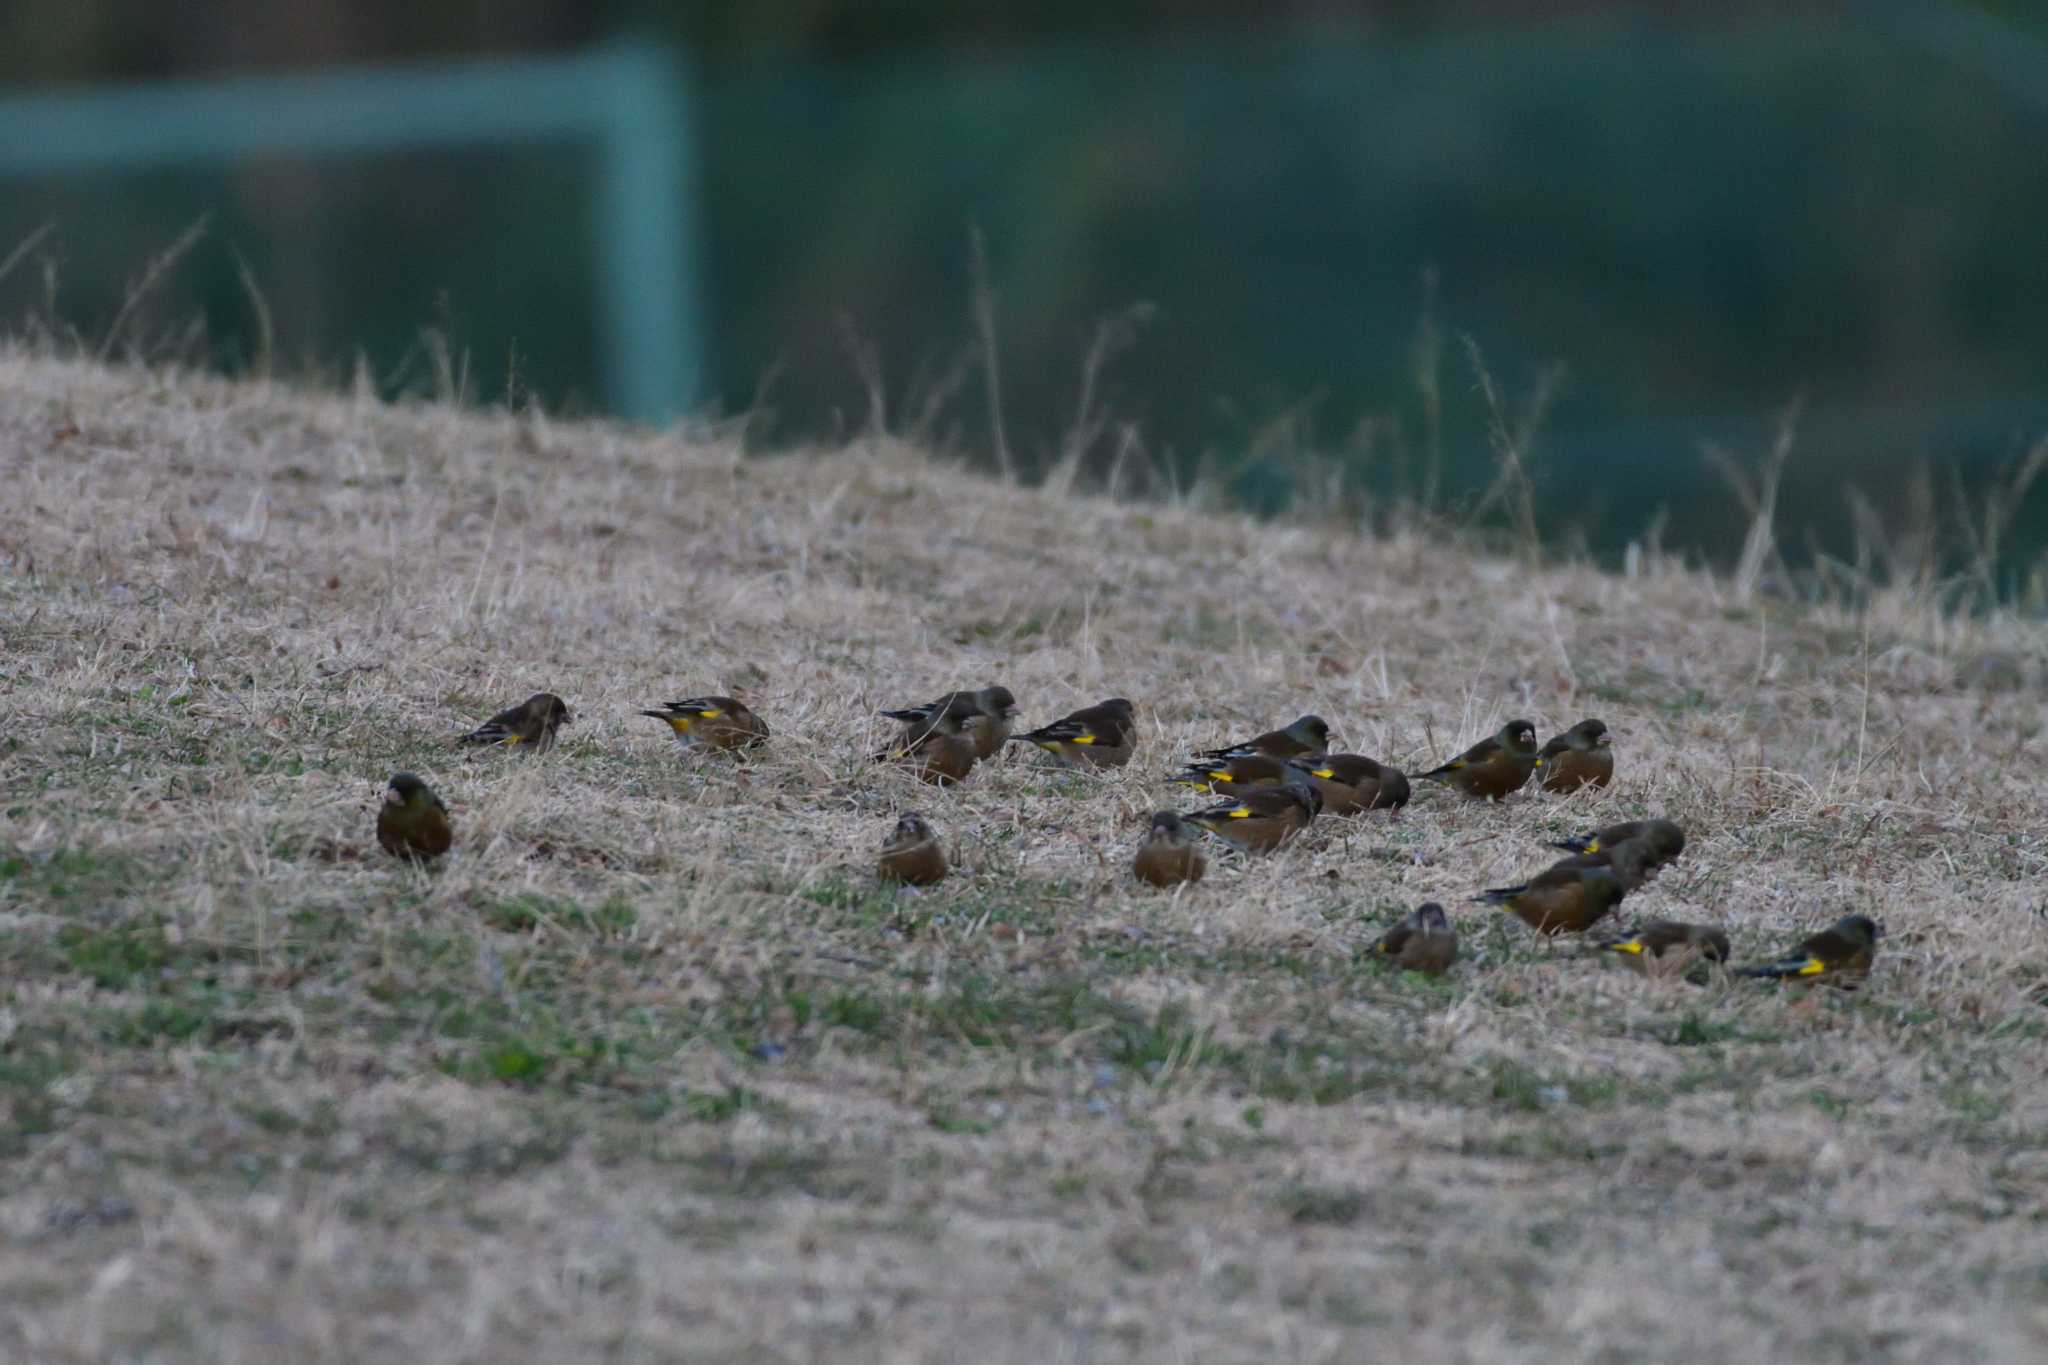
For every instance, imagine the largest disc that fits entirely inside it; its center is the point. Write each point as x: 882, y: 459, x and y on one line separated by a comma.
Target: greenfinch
x: 1168, y: 855
x: 1351, y: 783
x: 1307, y: 735
x: 1573, y: 895
x: 940, y: 752
x: 1244, y: 773
x: 411, y: 822
x: 1262, y: 820
x: 1099, y: 736
x: 1839, y: 955
x: 1493, y: 768
x: 1582, y: 756
x: 531, y: 724
x: 986, y: 715
x: 911, y: 854
x: 1663, y: 839
x: 713, y: 723
x: 1422, y: 942
x: 1669, y: 943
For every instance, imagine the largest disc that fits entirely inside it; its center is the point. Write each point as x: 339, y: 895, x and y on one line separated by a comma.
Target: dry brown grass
x: 652, y: 1070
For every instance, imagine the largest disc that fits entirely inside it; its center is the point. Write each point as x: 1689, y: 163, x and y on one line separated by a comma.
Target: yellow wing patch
x: 711, y: 715
x: 514, y: 739
x: 1592, y: 846
x: 1633, y: 945
x: 1083, y: 739
x: 1813, y: 966
x: 1323, y: 772
x: 1241, y: 812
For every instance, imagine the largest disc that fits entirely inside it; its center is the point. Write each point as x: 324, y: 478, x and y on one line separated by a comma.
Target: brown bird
x: 986, y: 716
x: 1663, y: 840
x: 1573, y: 895
x: 1351, y: 783
x: 1668, y: 945
x: 1839, y: 955
x: 1422, y: 942
x: 412, y: 823
x: 1169, y: 855
x: 1260, y: 821
x: 1582, y: 756
x: 1492, y: 768
x: 1233, y: 775
x: 1307, y: 735
x: 912, y: 854
x: 531, y: 724
x: 713, y: 722
x: 1099, y: 736
x: 941, y: 753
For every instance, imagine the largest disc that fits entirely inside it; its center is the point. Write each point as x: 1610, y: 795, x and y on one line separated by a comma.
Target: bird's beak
x: 1605, y: 739
x: 392, y: 798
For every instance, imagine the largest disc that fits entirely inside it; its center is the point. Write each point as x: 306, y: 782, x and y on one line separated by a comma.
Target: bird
x: 1168, y: 855
x: 1657, y: 939
x: 1351, y: 783
x: 412, y: 823
x: 532, y: 723
x: 1307, y: 735
x: 1233, y: 774
x: 1100, y: 736
x: 1574, y: 894
x: 911, y: 854
x: 1492, y: 768
x: 713, y: 722
x: 1422, y: 942
x: 1582, y: 756
x: 1664, y: 840
x: 941, y: 753
x: 1839, y: 955
x: 1260, y: 821
x: 986, y: 713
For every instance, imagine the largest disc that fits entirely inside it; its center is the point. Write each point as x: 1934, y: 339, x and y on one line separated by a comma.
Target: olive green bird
x: 1231, y: 775
x: 713, y: 723
x: 1572, y: 895
x: 1582, y: 756
x: 412, y: 823
x: 1655, y: 940
x: 1260, y: 821
x: 1662, y: 839
x: 1839, y: 955
x: 1307, y: 735
x: 986, y: 716
x: 1423, y: 941
x: 911, y: 854
x: 1351, y: 783
x: 1168, y: 855
x: 530, y: 725
x: 1493, y: 768
x: 1099, y: 736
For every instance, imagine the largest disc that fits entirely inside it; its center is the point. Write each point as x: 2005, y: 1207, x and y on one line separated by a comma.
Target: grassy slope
x: 651, y: 1069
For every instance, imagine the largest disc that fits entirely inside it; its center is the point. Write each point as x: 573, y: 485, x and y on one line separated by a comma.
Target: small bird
x: 1351, y: 783
x: 941, y: 752
x: 1664, y: 840
x: 986, y: 714
x: 1100, y: 736
x: 1307, y: 735
x: 1492, y: 768
x: 412, y: 823
x: 1260, y: 821
x: 532, y: 723
x: 713, y: 722
x: 1573, y: 895
x: 1422, y: 942
x: 1169, y: 855
x: 1244, y: 773
x: 912, y: 854
x: 1582, y: 756
x: 1668, y: 939
x: 1839, y: 955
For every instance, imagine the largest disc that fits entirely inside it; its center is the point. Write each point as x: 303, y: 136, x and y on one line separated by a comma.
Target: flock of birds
x: 1274, y: 786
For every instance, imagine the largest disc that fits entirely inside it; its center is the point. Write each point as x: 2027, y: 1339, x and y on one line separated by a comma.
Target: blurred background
x: 1336, y: 252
